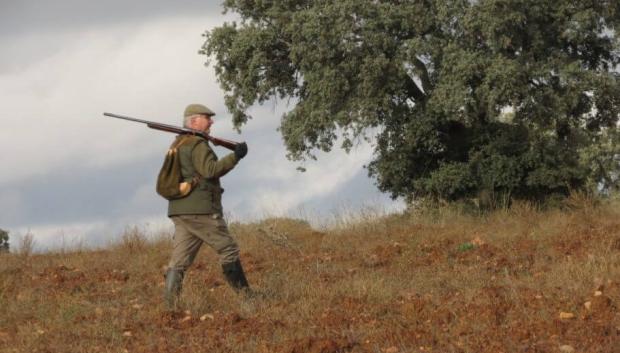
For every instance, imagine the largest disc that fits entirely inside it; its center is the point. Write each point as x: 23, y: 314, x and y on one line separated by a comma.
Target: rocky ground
x: 519, y: 280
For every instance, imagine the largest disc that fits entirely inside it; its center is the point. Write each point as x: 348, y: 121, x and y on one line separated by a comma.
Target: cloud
x: 26, y: 16
x: 52, y: 111
x: 284, y: 188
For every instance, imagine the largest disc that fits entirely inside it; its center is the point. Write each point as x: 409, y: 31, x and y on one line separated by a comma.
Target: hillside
x: 519, y: 280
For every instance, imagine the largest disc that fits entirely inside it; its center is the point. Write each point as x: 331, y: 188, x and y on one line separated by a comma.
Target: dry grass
x: 437, y: 281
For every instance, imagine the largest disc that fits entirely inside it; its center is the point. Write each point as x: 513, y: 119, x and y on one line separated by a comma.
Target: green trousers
x: 190, y: 231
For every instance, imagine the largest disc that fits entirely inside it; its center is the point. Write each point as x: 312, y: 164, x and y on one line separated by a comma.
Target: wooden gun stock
x: 231, y: 145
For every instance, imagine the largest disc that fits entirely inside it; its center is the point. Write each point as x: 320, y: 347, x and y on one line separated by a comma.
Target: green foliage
x: 516, y: 98
x: 4, y: 241
x: 465, y: 247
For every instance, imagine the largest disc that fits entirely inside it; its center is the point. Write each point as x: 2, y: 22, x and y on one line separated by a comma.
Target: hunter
x: 197, y: 217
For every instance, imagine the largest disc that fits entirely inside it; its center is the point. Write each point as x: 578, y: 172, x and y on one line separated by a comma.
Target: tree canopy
x: 517, y: 98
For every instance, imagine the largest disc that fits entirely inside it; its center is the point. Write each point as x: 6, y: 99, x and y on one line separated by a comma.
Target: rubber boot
x: 174, y: 283
x: 233, y: 272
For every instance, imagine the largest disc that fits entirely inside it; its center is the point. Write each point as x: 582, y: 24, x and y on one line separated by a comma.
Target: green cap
x: 194, y: 109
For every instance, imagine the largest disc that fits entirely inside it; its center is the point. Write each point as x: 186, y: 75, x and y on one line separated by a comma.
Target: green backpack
x: 170, y: 184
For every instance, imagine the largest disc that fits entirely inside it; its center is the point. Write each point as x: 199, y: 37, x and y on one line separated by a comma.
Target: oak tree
x: 516, y: 98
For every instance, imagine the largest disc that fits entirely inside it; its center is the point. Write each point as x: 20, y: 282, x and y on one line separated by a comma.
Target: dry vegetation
x: 518, y: 280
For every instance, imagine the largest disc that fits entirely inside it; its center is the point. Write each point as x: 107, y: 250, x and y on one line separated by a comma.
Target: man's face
x: 202, y: 123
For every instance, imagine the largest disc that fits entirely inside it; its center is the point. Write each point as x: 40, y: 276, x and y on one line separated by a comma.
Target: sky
x: 72, y: 177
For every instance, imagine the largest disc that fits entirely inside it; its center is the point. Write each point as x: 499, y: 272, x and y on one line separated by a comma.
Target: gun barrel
x: 124, y: 117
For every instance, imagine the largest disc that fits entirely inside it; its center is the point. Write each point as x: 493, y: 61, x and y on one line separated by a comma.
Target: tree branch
x: 413, y: 90
x: 422, y: 71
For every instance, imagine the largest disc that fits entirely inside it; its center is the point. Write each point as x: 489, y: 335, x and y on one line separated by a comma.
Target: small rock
x: 137, y: 306
x: 566, y: 316
x: 391, y: 350
x: 477, y: 241
x: 127, y: 334
x: 598, y: 293
x: 567, y: 349
x: 207, y: 316
x: 185, y: 319
x: 588, y: 305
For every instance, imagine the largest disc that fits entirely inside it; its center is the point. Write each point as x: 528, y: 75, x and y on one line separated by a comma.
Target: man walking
x: 197, y: 217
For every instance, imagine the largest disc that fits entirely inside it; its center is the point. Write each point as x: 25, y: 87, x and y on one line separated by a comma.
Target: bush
x: 4, y: 241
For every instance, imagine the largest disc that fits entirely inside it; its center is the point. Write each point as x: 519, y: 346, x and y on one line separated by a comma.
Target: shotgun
x: 179, y: 130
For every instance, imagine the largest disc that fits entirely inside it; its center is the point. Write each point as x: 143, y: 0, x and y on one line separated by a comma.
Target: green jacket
x: 197, y: 158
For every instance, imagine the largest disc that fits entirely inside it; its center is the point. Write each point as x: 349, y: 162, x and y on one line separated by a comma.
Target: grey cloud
x: 356, y: 195
x: 73, y: 194
x: 33, y: 16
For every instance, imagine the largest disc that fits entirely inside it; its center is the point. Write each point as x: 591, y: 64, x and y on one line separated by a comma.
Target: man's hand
x: 241, y: 150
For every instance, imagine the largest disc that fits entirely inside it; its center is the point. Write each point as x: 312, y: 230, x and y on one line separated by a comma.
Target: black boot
x: 174, y: 282
x: 236, y: 278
